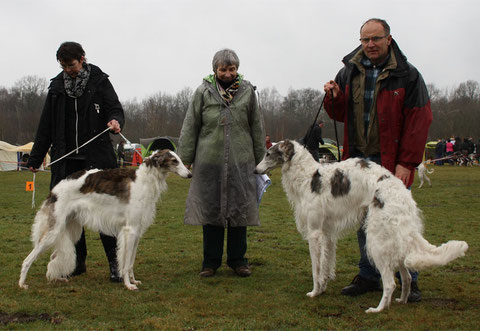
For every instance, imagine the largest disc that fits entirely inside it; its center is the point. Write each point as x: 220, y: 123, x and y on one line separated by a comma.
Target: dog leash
x: 128, y: 141
x: 336, y: 133
x: 309, y: 134
x: 75, y: 150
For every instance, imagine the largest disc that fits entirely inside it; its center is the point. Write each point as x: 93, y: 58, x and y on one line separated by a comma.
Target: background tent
x: 152, y: 144
x: 11, y: 155
x: 430, y: 150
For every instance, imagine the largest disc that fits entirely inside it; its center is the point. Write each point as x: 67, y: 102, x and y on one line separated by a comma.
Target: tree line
x: 456, y: 112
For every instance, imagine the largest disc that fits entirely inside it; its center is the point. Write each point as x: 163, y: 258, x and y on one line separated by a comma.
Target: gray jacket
x: 224, y: 143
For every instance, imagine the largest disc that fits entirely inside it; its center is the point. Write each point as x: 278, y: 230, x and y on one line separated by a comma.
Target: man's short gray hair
x: 225, y: 57
x: 384, y: 23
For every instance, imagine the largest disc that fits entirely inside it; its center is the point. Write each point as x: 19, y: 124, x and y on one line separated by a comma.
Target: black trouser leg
x: 236, y: 246
x: 81, y: 252
x: 213, y: 237
x: 110, y: 247
x: 81, y: 249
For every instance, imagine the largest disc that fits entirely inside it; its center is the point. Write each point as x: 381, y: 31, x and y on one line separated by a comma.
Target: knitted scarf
x: 75, y: 86
x: 228, y: 93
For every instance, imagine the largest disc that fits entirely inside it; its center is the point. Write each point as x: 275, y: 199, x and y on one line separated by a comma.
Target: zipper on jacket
x: 76, y: 124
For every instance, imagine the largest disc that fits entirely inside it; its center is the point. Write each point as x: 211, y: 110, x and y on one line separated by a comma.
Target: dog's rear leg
x: 388, y: 282
x: 39, y: 248
x: 406, y: 282
x: 428, y: 180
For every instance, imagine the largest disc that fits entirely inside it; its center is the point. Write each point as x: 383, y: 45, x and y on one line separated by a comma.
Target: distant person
x: 81, y: 103
x: 439, y: 151
x: 313, y: 138
x: 268, y: 143
x: 457, y: 145
x: 222, y: 137
x: 384, y: 104
x: 449, y: 150
x: 465, y: 147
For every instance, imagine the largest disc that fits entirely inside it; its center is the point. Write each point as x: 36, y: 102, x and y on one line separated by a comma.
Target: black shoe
x: 207, y: 272
x: 79, y: 269
x: 243, y: 271
x: 415, y: 293
x: 360, y: 285
x: 115, y: 274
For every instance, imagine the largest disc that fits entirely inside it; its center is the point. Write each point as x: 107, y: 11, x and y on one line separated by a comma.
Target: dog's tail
x: 427, y: 255
x: 63, y: 259
x: 429, y: 171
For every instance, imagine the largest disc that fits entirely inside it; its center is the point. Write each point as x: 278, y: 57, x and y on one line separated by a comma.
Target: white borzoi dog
x: 422, y: 174
x: 330, y: 198
x: 117, y: 202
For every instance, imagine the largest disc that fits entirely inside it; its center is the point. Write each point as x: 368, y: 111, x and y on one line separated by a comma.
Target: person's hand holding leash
x: 331, y: 85
x: 114, y: 126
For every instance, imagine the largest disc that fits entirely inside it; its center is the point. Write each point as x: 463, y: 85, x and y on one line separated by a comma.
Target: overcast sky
x: 148, y: 46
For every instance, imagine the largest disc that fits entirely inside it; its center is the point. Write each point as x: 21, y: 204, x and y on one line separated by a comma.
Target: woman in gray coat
x: 223, y: 137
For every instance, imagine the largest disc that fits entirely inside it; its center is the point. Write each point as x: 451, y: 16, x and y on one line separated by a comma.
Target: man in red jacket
x: 384, y: 105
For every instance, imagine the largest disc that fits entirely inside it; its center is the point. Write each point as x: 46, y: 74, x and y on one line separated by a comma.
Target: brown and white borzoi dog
x: 330, y: 198
x: 117, y: 202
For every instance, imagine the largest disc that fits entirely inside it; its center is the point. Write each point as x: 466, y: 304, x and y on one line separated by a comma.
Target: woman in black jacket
x: 81, y: 103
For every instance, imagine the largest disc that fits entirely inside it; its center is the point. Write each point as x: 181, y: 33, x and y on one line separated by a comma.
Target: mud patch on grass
x: 451, y: 304
x: 6, y: 318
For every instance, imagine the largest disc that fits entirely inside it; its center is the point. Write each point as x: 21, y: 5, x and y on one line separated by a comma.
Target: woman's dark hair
x: 70, y: 51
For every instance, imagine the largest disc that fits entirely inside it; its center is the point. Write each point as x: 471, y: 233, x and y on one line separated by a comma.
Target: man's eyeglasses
x: 375, y: 39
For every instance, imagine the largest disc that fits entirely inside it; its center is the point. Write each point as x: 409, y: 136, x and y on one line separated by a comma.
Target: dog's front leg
x: 126, y: 244
x: 132, y: 262
x: 315, y: 248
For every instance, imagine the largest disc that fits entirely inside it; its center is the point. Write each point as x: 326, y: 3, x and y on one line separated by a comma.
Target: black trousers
x: 213, y: 238
x: 109, y: 242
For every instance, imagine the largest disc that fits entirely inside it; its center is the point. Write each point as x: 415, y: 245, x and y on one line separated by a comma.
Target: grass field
x: 173, y: 296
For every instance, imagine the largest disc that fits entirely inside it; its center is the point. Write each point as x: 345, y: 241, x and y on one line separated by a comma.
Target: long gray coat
x: 224, y: 143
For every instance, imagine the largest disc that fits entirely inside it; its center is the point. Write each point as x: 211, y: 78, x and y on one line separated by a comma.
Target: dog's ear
x: 288, y: 150
x: 157, y: 158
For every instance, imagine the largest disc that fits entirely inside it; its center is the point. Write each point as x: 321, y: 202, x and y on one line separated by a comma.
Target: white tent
x: 10, y: 155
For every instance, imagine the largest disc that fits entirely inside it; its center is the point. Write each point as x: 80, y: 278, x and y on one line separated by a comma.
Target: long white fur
x: 394, y: 232
x: 60, y: 226
x: 422, y: 174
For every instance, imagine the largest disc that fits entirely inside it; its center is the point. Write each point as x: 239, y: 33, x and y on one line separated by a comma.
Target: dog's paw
x: 62, y: 280
x: 137, y: 282
x: 24, y: 286
x: 399, y: 300
x: 313, y: 294
x: 132, y: 287
x: 373, y: 310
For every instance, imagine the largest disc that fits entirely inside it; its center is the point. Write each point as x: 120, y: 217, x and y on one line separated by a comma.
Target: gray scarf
x: 75, y: 86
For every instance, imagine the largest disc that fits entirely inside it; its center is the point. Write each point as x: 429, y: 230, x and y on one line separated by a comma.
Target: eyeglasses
x: 375, y: 39
x: 69, y: 66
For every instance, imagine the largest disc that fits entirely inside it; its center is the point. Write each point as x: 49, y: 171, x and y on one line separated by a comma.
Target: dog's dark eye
x: 267, y: 154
